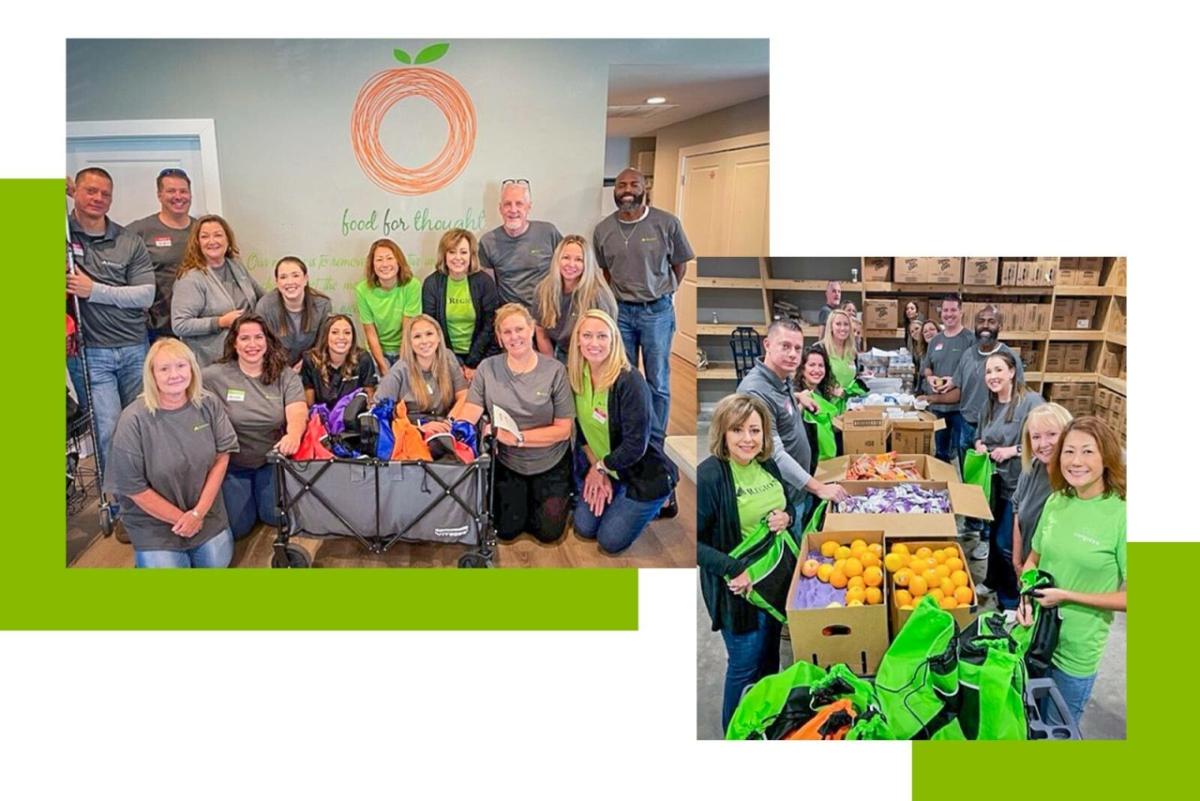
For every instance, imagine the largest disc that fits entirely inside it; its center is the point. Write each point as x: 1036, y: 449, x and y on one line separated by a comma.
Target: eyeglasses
x: 519, y: 181
x: 174, y: 172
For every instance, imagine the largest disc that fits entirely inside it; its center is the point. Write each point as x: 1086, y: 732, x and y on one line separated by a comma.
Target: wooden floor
x: 666, y: 543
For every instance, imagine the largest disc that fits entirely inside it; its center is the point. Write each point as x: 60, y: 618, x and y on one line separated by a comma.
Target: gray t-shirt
x: 165, y: 246
x: 534, y: 399
x: 297, y: 339
x: 117, y: 261
x: 1033, y: 488
x: 969, y: 378
x: 397, y: 385
x: 792, y: 453
x: 519, y: 262
x: 942, y: 355
x: 171, y: 453
x: 560, y: 334
x: 638, y: 255
x: 1000, y: 431
x: 256, y: 411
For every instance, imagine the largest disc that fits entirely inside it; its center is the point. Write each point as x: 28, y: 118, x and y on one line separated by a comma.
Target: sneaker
x: 1010, y: 616
x: 980, y: 552
x: 982, y: 589
x: 669, y: 509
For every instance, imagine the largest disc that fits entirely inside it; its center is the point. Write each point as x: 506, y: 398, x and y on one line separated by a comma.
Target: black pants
x: 539, y: 504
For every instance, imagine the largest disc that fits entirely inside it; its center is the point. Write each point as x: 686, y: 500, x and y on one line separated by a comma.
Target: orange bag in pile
x: 410, y: 444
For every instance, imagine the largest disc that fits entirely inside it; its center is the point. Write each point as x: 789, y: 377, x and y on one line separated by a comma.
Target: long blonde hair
x: 614, y: 364
x: 443, y: 363
x: 587, y: 294
x: 827, y: 337
x: 169, y: 347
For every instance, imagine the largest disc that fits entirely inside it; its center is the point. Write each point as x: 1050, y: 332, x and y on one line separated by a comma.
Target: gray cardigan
x: 792, y: 453
x: 199, y: 300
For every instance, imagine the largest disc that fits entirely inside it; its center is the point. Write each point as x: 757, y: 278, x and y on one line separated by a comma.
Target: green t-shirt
x: 1082, y: 544
x: 844, y: 370
x: 386, y: 309
x: 591, y: 411
x: 758, y: 494
x: 460, y: 315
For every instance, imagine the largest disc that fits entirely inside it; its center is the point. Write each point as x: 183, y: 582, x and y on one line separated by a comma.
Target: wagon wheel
x: 296, y: 557
x: 474, y: 559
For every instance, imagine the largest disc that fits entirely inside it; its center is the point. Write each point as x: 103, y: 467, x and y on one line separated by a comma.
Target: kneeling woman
x: 622, y: 474
x: 739, y: 486
x: 1080, y: 540
x: 265, y: 401
x: 533, y: 478
x: 336, y: 365
x: 166, y: 464
x: 428, y: 379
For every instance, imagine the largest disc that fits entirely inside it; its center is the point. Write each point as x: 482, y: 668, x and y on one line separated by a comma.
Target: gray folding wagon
x: 380, y: 503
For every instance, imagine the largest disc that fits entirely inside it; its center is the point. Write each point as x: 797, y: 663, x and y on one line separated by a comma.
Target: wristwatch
x: 192, y: 512
x: 520, y: 439
x: 1018, y: 449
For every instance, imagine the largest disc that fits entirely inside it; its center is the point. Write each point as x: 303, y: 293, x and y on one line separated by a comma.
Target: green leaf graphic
x: 432, y: 53
x: 402, y: 57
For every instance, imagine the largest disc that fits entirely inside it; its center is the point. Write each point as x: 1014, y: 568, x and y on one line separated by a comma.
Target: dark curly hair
x: 828, y: 383
x: 274, y: 360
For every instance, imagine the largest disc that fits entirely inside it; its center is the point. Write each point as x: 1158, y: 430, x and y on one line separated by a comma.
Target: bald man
x: 644, y: 252
x: 518, y: 251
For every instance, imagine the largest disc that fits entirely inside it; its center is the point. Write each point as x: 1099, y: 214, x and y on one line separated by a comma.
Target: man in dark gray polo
x: 115, y: 286
x: 165, y: 233
x: 941, y: 359
x: 644, y: 252
x: 518, y: 252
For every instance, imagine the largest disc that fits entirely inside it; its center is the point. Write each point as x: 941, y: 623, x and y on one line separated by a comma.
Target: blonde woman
x: 1039, y: 442
x: 838, y: 341
x: 212, y: 289
x: 573, y: 286
x: 622, y: 475
x: 533, y: 477
x: 387, y: 298
x: 462, y: 299
x: 168, y: 460
x: 427, y: 378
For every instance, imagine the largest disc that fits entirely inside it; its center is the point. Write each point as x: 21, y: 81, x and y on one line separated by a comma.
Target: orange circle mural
x: 384, y: 90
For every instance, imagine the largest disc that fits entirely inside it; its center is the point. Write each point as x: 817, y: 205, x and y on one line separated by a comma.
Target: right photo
x: 911, y: 497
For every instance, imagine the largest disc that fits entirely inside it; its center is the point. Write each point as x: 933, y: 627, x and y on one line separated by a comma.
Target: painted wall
x: 616, y: 155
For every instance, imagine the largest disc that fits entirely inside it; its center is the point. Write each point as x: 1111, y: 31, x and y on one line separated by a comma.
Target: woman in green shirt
x: 838, y: 341
x: 1080, y: 541
x: 388, y: 298
x: 816, y: 377
x: 462, y: 299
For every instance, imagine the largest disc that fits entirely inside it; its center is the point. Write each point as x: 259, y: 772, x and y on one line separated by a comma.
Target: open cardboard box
x: 854, y: 635
x: 863, y: 431
x: 897, y: 617
x: 931, y: 469
x: 965, y: 499
x: 915, y: 434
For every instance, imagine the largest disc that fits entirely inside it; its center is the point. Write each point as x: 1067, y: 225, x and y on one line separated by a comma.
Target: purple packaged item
x: 900, y: 499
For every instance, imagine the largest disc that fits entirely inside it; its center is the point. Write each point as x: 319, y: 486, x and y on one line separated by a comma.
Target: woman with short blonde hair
x: 165, y: 347
x: 1039, y: 442
x: 573, y: 285
x: 462, y: 300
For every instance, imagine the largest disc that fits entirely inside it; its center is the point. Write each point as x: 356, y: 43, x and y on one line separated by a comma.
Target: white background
x: 1064, y: 128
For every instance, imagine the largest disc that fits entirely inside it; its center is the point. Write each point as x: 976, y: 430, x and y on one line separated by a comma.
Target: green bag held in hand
x: 917, y: 680
x: 823, y: 420
x: 992, y: 678
x: 768, y: 698
x: 977, y: 469
x: 1038, y: 642
x: 771, y: 560
x: 814, y: 520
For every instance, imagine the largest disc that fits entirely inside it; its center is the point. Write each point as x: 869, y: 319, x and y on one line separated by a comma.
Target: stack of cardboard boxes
x: 928, y: 270
x: 881, y: 317
x: 1013, y: 316
x: 1110, y: 407
x: 877, y: 268
x: 1066, y: 357
x: 1074, y: 314
x: 1079, y: 271
x: 1078, y: 398
x: 1040, y: 271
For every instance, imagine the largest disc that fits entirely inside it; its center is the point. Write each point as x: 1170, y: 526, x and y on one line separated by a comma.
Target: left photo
x: 382, y: 304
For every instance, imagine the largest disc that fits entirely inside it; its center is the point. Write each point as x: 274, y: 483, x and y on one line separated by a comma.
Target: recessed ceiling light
x: 655, y: 101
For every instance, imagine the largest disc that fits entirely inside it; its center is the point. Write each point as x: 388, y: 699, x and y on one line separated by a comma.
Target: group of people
x: 185, y: 347
x: 1057, y: 493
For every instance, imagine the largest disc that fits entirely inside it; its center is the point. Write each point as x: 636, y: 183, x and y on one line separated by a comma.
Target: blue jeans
x: 1001, y: 576
x: 646, y: 330
x: 249, y: 497
x: 1075, y: 690
x: 622, y: 521
x: 946, y: 441
x: 217, y: 552
x: 116, y: 379
x: 752, y: 656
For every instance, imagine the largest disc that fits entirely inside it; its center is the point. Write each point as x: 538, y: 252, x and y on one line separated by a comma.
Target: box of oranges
x: 935, y: 567
x: 837, y: 603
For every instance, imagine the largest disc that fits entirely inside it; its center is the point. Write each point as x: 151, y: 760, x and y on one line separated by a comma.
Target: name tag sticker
x: 235, y: 395
x: 599, y: 415
x: 77, y: 249
x: 162, y: 242
x: 939, y: 346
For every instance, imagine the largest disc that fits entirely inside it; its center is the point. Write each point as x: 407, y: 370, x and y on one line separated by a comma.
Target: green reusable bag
x: 822, y: 418
x: 977, y: 469
x: 768, y: 698
x: 771, y: 560
x: 1038, y: 642
x: 917, y: 680
x: 870, y: 725
x: 818, y: 515
x: 992, y: 678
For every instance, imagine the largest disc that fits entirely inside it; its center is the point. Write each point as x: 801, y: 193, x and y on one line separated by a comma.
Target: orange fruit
x: 856, y: 581
x: 917, y: 586
x: 855, y: 594
x: 858, y: 546
x: 947, y: 602
x: 942, y: 571
x: 900, y: 548
x: 903, y: 598
x: 931, y: 563
x: 924, y: 552
x: 828, y: 548
x: 873, y: 576
x: 892, y: 562
x: 842, y: 552
x: 837, y: 579
x: 903, y: 577
x: 874, y: 595
x: 824, y: 571
x: 947, y: 586
x: 810, y: 567
x: 931, y: 577
x: 870, y: 560
x: 963, y: 595
x: 954, y: 563
x: 876, y: 549
x: 853, y: 567
x: 960, y: 578
x: 939, y: 556
x: 937, y: 594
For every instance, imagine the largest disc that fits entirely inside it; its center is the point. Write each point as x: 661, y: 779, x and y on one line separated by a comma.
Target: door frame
x: 205, y: 130
x: 716, y: 146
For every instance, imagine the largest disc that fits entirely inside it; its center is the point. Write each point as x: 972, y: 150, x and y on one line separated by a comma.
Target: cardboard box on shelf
x: 1066, y: 275
x: 1116, y: 272
x: 1063, y: 314
x: 944, y: 269
x: 1060, y: 392
x: 1009, y: 271
x: 1068, y: 262
x: 1085, y: 390
x: 1110, y: 363
x: 965, y: 499
x: 1083, y: 313
x: 1042, y: 320
x: 910, y: 270
x: 1056, y: 357
x: 1075, y: 358
x: 964, y: 616
x: 1118, y: 404
x: 864, y: 431
x: 1047, y: 270
x: 1116, y: 316
x: 981, y: 271
x: 877, y: 268
x: 856, y: 636
x: 1124, y: 355
x: 881, y: 314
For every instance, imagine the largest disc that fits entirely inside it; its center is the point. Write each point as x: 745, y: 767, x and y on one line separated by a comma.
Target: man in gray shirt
x: 770, y: 380
x: 114, y: 282
x: 941, y: 359
x: 165, y: 234
x: 518, y: 252
x: 644, y: 252
x: 833, y: 300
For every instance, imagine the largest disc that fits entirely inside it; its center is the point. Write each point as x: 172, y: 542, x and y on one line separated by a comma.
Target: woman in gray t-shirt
x: 533, y: 475
x: 573, y: 286
x: 1039, y: 440
x: 167, y: 463
x: 999, y: 436
x: 428, y: 380
x: 294, y: 310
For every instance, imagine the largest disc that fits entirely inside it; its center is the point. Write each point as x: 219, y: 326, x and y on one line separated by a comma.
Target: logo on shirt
x: 745, y: 492
x: 199, y: 426
x: 1090, y: 540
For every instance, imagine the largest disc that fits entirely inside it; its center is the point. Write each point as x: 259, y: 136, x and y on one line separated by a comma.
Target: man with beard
x: 941, y: 359
x: 518, y: 251
x: 644, y: 252
x: 833, y: 300
x: 165, y: 233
